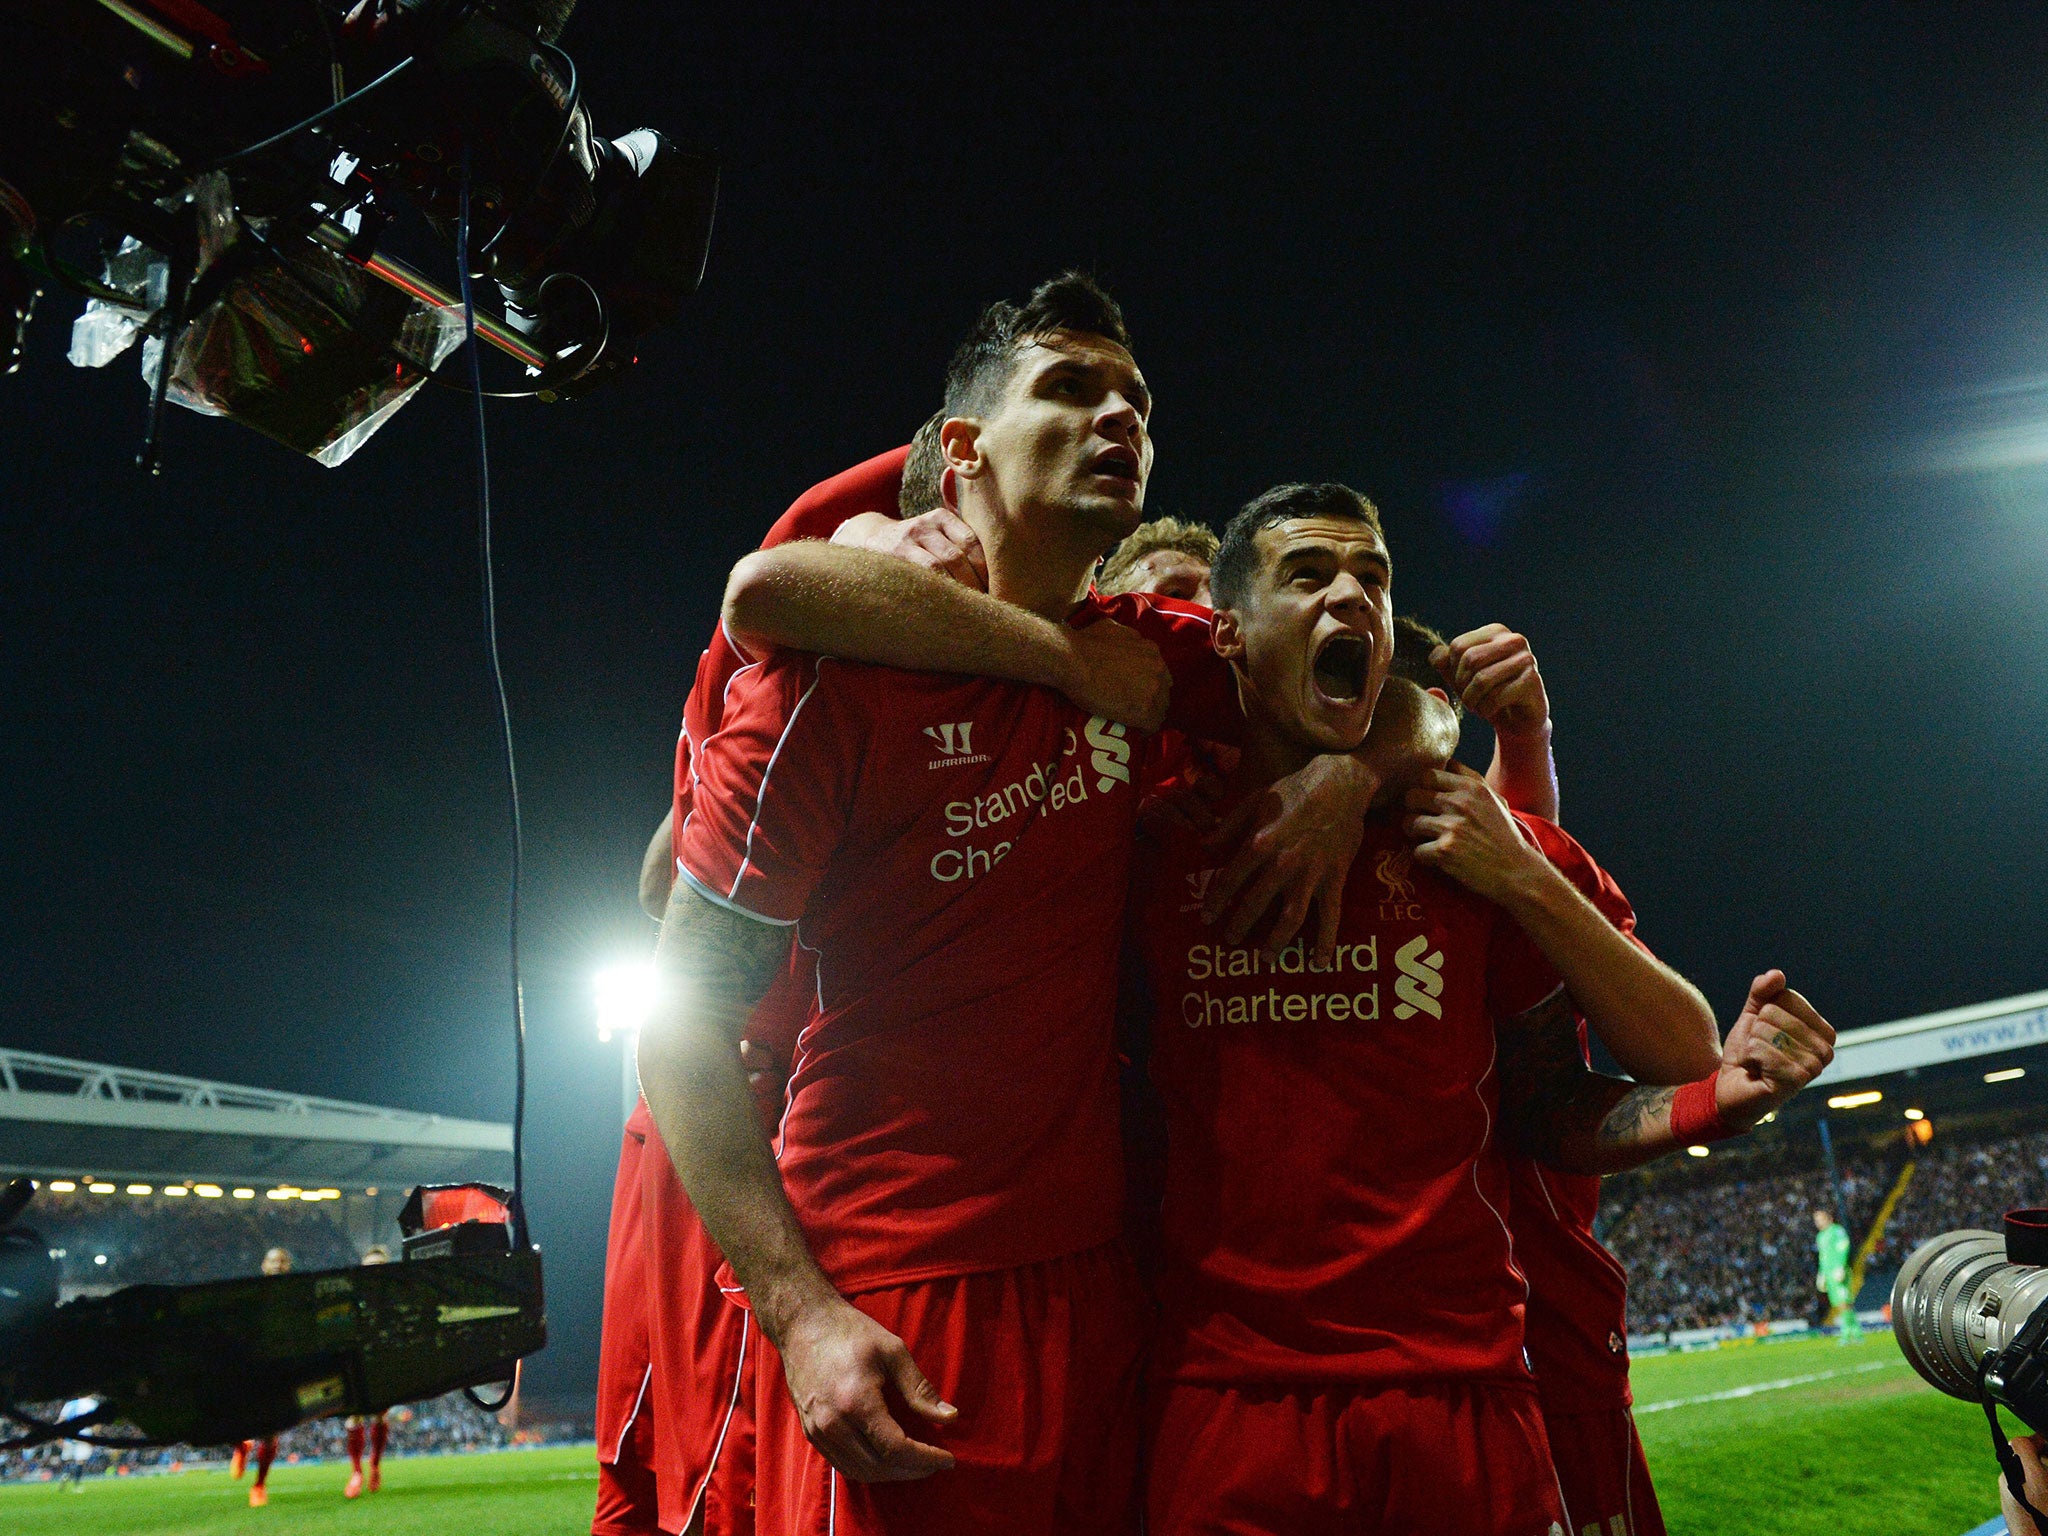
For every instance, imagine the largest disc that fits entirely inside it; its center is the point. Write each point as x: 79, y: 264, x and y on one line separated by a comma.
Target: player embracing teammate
x: 933, y: 1248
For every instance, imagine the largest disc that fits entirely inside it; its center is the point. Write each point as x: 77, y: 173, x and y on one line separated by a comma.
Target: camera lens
x: 1957, y: 1300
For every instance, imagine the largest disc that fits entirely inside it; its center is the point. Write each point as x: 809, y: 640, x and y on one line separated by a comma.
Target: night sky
x: 1705, y: 344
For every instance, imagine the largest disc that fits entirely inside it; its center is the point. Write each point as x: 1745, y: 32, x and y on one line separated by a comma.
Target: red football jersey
x: 871, y: 486
x: 1576, y: 1324
x: 953, y: 852
x: 696, y: 1343
x: 1335, y: 1207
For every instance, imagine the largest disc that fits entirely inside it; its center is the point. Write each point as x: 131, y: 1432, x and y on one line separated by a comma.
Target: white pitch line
x: 1764, y: 1386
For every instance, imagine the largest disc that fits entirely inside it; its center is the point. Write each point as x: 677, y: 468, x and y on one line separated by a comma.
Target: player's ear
x: 1227, y: 634
x: 1438, y: 693
x: 960, y: 447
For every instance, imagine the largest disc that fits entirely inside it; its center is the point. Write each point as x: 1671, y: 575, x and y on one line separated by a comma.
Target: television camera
x: 230, y: 1360
x: 223, y: 180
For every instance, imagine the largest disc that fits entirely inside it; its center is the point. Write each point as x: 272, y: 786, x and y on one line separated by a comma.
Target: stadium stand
x: 102, y: 1242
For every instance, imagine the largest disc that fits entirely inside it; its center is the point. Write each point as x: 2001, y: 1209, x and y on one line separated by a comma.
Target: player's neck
x: 1030, y: 566
x: 1266, y: 754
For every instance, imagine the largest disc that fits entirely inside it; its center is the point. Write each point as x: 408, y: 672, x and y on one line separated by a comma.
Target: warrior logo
x: 1198, y: 889
x: 955, y: 741
x: 1421, y: 981
x: 1392, y: 872
x: 1112, y: 755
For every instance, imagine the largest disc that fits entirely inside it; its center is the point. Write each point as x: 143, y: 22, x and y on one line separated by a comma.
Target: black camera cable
x: 490, y: 594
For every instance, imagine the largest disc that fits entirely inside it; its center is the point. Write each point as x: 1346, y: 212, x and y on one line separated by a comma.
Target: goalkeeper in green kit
x: 1832, y: 1243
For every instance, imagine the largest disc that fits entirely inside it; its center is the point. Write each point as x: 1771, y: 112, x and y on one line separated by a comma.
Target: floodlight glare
x: 101, y: 1188
x: 626, y: 995
x: 1697, y: 1152
x: 206, y: 1191
x: 245, y: 1194
x: 62, y: 1186
x: 1916, y: 1114
x: 1855, y: 1100
x: 2005, y: 1076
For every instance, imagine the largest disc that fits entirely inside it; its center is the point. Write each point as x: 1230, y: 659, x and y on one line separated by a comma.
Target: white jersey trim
x: 726, y: 901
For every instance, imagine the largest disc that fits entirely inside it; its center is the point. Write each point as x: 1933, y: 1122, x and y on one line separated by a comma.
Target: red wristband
x: 1695, y: 1118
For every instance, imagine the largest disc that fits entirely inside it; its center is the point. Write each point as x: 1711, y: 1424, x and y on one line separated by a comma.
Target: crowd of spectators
x: 105, y: 1241
x: 1733, y: 1251
x: 1964, y: 1186
x: 1703, y: 1250
x: 440, y: 1425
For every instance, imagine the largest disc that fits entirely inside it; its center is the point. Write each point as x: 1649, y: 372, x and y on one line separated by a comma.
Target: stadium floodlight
x: 140, y: 1189
x: 207, y: 1191
x: 1916, y: 1114
x: 62, y: 1186
x: 245, y: 1194
x: 626, y: 995
x: 99, y: 1258
x: 101, y: 1188
x: 1855, y: 1100
x: 1698, y: 1152
x: 2006, y: 1075
x: 283, y: 1192
x: 330, y: 1194
x: 175, y: 1190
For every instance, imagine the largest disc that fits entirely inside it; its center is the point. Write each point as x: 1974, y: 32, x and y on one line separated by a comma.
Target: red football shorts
x: 626, y: 1498
x: 1043, y: 1364
x: 702, y: 1348
x: 1600, y: 1467
x: 1443, y: 1459
x: 626, y: 1503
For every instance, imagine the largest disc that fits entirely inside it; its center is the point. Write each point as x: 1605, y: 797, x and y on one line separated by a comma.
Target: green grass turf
x: 1870, y: 1450
x: 505, y: 1493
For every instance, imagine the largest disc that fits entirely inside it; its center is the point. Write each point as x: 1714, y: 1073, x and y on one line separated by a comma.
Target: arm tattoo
x: 1559, y: 1111
x: 1636, y: 1117
x: 727, y: 958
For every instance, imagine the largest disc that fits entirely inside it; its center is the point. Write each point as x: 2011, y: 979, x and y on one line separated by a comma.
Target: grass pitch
x: 547, y: 1492
x: 1863, y: 1446
x: 1795, y: 1439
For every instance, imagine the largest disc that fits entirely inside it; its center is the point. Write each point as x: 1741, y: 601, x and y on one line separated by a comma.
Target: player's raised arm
x: 1655, y: 1022
x: 884, y: 608
x: 715, y: 963
x: 1492, y: 671
x: 1559, y: 1111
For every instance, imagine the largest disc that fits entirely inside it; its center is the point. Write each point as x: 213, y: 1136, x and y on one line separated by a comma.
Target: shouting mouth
x: 1340, y: 667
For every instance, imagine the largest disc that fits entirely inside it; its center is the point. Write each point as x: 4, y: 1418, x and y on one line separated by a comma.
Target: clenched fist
x: 1777, y: 1046
x: 1492, y: 672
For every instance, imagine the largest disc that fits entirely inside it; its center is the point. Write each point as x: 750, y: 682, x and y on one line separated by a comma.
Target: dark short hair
x: 923, y: 469
x: 1413, y: 642
x: 1191, y: 539
x: 981, y: 367
x: 1237, y: 557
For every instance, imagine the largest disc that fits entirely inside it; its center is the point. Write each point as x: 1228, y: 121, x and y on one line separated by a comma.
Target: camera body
x: 239, y: 1359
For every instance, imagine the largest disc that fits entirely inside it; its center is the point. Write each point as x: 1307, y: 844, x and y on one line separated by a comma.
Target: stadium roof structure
x: 1956, y: 1034
x: 59, y: 1118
